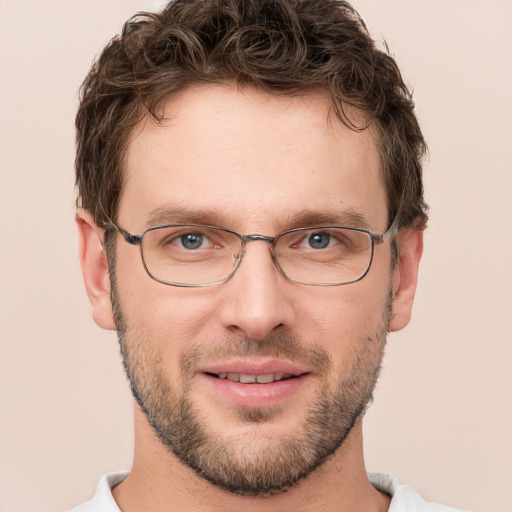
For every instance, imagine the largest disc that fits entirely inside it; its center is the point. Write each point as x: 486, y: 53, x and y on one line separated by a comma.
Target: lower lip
x: 257, y: 395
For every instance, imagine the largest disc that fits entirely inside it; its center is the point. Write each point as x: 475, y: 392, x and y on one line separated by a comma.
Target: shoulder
x: 403, y: 497
x: 103, y: 501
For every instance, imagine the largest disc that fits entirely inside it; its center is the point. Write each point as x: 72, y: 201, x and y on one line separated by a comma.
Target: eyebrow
x: 168, y: 214
x: 171, y: 214
x: 346, y: 218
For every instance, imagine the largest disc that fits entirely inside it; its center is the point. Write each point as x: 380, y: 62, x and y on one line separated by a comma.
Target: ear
x: 93, y: 261
x: 405, y: 277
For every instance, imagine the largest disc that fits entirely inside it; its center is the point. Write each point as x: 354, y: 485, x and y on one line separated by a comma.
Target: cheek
x: 172, y: 318
x: 352, y: 310
x: 352, y: 328
x: 349, y: 322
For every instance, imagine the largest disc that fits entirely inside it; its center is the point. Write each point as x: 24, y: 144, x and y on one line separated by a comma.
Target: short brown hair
x: 286, y: 47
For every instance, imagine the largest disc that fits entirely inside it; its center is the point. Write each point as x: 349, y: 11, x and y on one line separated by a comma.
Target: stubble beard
x: 247, y: 466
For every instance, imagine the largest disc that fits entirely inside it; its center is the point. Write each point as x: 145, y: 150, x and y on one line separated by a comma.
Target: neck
x: 159, y: 481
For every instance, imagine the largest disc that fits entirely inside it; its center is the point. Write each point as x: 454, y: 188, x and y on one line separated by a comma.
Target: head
x: 257, y: 117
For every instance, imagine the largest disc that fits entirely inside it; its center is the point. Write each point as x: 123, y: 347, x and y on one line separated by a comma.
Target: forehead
x: 251, y: 158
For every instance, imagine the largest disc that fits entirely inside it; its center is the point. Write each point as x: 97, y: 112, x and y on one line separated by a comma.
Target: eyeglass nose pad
x: 236, y: 258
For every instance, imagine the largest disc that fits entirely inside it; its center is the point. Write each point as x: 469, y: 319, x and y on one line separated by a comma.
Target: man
x: 251, y: 216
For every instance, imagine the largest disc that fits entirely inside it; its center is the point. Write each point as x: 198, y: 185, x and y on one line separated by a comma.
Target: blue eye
x: 319, y: 240
x: 191, y: 240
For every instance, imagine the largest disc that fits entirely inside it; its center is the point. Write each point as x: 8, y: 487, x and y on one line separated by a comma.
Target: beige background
x: 442, y: 419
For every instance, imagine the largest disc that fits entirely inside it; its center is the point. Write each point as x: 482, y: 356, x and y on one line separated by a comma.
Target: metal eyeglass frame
x: 244, y: 239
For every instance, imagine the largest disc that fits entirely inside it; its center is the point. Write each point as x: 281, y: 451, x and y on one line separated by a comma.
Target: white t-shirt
x: 403, y: 497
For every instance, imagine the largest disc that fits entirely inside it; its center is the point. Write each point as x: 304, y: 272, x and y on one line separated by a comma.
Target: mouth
x: 244, y: 378
x: 255, y: 383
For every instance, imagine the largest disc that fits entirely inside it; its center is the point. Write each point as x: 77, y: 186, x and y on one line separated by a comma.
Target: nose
x: 258, y: 299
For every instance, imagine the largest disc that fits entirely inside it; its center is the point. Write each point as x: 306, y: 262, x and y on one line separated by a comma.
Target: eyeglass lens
x: 196, y: 255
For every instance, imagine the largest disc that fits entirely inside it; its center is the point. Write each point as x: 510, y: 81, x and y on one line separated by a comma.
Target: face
x: 256, y: 164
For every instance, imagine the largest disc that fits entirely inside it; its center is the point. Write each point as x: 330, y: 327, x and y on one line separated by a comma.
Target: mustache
x: 274, y: 346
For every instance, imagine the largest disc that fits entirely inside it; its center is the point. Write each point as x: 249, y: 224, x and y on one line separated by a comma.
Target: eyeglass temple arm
x: 131, y: 239
x: 391, y: 232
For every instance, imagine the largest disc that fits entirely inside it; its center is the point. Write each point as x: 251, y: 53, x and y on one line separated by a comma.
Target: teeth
x: 251, y: 379
x: 247, y: 379
x: 265, y: 379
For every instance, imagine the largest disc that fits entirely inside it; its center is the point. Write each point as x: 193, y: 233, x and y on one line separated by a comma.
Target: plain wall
x: 442, y: 417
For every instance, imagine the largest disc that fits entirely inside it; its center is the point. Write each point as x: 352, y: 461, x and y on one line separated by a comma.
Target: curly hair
x: 285, y: 47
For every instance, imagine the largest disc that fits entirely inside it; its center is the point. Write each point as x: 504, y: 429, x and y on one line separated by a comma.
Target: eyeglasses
x: 191, y: 255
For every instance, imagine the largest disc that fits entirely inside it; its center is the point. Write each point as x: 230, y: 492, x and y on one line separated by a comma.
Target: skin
x: 255, y: 160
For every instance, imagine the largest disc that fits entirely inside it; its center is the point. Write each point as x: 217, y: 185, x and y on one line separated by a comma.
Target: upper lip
x: 254, y: 367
